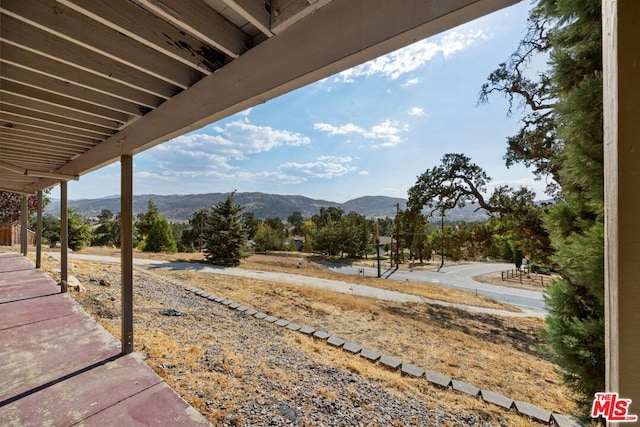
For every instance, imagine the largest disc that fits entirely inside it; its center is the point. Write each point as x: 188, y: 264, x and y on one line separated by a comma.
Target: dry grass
x: 460, y: 344
x: 307, y: 265
x: 499, y: 354
x: 403, y: 386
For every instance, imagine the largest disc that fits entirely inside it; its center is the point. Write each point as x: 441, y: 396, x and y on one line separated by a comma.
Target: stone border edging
x: 523, y: 408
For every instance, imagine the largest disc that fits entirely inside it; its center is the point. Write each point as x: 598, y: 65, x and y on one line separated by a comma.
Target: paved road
x: 460, y: 277
x: 299, y: 280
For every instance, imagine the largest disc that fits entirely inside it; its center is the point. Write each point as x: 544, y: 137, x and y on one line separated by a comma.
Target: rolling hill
x: 180, y: 207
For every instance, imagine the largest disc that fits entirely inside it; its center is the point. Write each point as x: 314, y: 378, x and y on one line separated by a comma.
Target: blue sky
x: 370, y: 130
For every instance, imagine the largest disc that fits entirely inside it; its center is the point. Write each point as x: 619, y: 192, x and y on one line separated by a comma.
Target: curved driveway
x: 458, y: 275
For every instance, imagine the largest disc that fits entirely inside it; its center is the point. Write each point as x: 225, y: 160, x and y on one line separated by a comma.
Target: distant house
x: 10, y: 235
x: 387, y: 240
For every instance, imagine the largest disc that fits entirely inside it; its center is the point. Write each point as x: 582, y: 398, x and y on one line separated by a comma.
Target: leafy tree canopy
x: 296, y: 220
x: 458, y: 181
x: 11, y: 206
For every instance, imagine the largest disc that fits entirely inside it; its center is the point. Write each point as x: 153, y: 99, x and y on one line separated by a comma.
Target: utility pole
x: 378, y: 247
x: 397, y: 234
x: 441, y: 241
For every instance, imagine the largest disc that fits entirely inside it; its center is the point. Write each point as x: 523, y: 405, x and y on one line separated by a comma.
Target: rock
x: 172, y: 312
x: 287, y: 412
x: 103, y: 282
x: 231, y: 419
x: 73, y: 280
x: 73, y: 284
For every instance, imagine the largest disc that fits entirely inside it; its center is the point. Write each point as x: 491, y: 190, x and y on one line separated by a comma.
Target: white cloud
x: 144, y: 175
x: 455, y: 41
x: 385, y: 134
x: 410, y: 82
x: 388, y: 132
x: 363, y: 173
x: 338, y: 130
x: 412, y: 57
x: 417, y: 111
x: 335, y: 159
x: 236, y: 140
x: 318, y: 169
x: 277, y: 177
x: 209, y: 157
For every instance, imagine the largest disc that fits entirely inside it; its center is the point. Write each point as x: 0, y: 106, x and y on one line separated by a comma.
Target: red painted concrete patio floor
x: 60, y: 368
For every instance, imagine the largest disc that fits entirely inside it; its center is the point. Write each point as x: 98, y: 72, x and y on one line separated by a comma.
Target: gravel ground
x: 239, y: 370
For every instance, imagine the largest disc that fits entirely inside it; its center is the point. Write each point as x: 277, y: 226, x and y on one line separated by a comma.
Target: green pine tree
x: 562, y: 137
x: 160, y: 237
x: 225, y: 236
x: 575, y: 325
x: 146, y: 220
x: 79, y: 231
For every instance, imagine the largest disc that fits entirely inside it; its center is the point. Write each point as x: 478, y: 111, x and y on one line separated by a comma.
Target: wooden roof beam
x: 49, y: 67
x: 285, y: 13
x: 40, y: 44
x: 254, y: 12
x: 40, y: 123
x: 37, y: 173
x: 36, y: 105
x: 45, y: 116
x: 10, y: 72
x: 196, y: 18
x: 149, y: 30
x: 67, y: 24
x: 64, y: 101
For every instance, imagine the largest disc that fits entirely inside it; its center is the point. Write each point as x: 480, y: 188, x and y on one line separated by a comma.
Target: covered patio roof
x: 83, y: 82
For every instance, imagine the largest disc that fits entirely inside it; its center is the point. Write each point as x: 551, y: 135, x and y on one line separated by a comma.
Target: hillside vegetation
x: 180, y: 207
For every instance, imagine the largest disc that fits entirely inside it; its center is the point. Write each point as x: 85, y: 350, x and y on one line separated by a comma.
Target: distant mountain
x: 377, y: 206
x: 180, y: 207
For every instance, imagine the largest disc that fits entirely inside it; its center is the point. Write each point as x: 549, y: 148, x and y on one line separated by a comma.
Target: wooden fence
x: 10, y: 235
x: 536, y: 279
